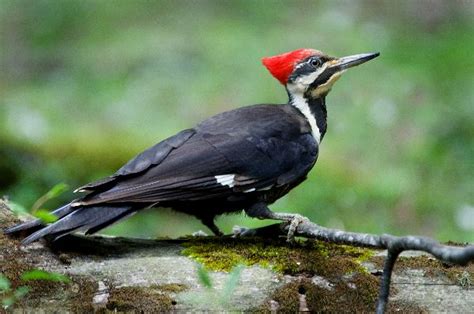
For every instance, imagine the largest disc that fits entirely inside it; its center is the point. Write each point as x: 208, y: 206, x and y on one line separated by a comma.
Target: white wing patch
x: 229, y: 180
x: 226, y: 179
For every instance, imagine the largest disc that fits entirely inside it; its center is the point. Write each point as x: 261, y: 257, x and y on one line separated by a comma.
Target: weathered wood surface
x: 119, y: 274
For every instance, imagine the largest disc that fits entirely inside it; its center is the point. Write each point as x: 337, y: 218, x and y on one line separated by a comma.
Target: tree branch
x: 393, y: 244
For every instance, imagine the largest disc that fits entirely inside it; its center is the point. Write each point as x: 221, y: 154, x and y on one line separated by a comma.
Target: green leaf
x: 57, y: 190
x: 4, y: 283
x: 7, y: 302
x: 204, y: 277
x: 21, y: 291
x: 38, y: 274
x: 232, y: 282
x: 45, y: 216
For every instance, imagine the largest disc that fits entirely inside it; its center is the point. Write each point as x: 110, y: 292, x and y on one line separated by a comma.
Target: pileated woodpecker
x: 243, y: 159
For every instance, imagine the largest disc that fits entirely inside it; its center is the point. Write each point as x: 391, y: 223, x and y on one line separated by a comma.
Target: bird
x: 239, y: 160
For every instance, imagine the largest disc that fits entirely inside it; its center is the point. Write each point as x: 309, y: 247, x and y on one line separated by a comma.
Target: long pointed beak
x: 351, y: 61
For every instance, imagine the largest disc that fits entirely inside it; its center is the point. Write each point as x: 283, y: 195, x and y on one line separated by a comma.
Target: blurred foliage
x: 39, y: 274
x: 10, y: 295
x: 85, y: 85
x: 214, y: 297
x: 46, y: 216
x: 204, y: 277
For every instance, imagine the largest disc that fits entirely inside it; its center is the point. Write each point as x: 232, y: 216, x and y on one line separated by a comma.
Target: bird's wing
x: 219, y: 160
x: 143, y: 161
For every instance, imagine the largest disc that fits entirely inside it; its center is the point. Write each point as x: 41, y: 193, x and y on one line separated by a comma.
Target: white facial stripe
x: 300, y: 103
x: 298, y: 87
x: 299, y: 65
x: 311, y: 77
x: 226, y: 179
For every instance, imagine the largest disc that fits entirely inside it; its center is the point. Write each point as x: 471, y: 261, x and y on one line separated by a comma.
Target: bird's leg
x: 209, y: 222
x: 261, y: 211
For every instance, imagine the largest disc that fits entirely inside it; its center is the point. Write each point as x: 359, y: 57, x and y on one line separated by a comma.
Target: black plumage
x: 243, y: 159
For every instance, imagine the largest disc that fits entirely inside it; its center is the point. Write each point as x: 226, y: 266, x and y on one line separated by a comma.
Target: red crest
x: 281, y: 66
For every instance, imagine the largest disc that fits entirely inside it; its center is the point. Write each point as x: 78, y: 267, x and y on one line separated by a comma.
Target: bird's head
x: 310, y: 72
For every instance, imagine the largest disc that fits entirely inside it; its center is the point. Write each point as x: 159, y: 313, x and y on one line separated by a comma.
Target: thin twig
x: 386, y: 279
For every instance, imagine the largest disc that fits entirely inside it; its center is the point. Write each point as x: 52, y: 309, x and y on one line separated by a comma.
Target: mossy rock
x: 131, y: 275
x: 304, y: 257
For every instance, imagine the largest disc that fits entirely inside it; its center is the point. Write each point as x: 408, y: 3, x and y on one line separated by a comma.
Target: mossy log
x: 135, y: 275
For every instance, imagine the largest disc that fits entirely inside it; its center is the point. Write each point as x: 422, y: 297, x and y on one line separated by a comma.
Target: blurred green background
x: 86, y: 85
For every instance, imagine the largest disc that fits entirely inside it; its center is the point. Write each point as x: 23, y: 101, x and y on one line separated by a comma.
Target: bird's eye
x: 315, y: 62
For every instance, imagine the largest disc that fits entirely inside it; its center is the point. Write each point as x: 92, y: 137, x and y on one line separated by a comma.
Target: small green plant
x: 38, y: 274
x: 10, y: 296
x: 204, y: 278
x: 36, y: 210
x: 214, y: 297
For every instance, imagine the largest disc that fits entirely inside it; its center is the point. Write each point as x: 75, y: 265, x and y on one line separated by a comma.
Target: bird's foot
x: 294, y: 221
x: 238, y: 231
x: 261, y: 211
x: 199, y: 234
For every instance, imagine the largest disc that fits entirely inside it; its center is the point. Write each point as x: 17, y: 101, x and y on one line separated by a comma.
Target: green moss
x: 171, y: 287
x: 305, y: 257
x: 356, y: 294
x: 77, y: 294
x: 80, y: 293
x: 14, y: 261
x: 153, y: 299
x: 353, y: 288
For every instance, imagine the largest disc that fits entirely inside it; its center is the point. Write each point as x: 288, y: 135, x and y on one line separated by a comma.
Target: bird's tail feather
x: 33, y: 225
x: 91, y: 219
x: 99, y: 225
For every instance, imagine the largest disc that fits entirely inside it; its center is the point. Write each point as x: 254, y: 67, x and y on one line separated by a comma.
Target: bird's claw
x: 199, y: 234
x: 239, y: 231
x: 294, y: 221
